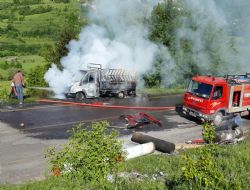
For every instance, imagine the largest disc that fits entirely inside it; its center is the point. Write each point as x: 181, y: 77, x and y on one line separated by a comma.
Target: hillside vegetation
x: 29, y: 27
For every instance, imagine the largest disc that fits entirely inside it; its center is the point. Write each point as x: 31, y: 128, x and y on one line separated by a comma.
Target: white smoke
x: 212, y: 29
x: 117, y: 37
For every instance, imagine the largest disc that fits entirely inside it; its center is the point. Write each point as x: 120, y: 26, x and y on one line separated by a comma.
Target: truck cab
x: 87, y: 87
x: 97, y: 82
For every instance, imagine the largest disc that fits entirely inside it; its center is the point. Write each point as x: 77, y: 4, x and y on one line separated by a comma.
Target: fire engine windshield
x: 200, y: 89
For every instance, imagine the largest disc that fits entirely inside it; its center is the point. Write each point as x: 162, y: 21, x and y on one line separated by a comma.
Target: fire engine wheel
x: 80, y: 96
x: 218, y: 118
x: 121, y: 95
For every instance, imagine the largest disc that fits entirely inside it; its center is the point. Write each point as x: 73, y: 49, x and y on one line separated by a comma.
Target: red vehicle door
x: 218, y: 99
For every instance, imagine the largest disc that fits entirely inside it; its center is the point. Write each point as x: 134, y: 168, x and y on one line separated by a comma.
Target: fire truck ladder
x: 238, y: 79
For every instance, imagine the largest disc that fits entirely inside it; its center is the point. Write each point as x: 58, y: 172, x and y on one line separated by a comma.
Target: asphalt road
x: 51, y: 121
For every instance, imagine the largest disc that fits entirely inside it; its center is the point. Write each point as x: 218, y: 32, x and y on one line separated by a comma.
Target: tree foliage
x: 196, y: 46
x: 69, y: 32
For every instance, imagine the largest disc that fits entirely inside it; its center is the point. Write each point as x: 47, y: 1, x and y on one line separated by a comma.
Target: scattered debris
x: 159, y: 175
x: 140, y: 150
x: 160, y: 145
x: 138, y: 120
x: 184, y: 146
x: 197, y: 141
x: 230, y: 130
x: 22, y: 125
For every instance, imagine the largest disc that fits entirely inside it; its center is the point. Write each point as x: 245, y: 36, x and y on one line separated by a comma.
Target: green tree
x: 69, y: 32
x: 197, y: 46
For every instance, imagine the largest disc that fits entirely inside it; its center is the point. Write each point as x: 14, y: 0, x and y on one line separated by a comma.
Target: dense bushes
x: 16, y: 49
x: 202, y: 172
x: 36, y: 76
x: 27, y: 10
x: 6, y: 65
x: 90, y: 155
x: 27, y: 2
x: 50, y: 30
x: 61, y: 1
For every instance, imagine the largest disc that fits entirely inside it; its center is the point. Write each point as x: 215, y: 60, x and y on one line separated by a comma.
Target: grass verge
x: 161, y: 91
x: 233, y: 160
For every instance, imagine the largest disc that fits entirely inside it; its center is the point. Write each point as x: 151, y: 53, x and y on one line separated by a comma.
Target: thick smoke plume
x: 219, y: 34
x: 117, y: 37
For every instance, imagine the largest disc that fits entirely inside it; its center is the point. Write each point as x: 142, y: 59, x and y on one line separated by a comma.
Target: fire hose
x: 105, y: 106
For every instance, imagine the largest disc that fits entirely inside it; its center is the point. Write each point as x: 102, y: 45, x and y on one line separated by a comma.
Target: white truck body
x: 103, y: 82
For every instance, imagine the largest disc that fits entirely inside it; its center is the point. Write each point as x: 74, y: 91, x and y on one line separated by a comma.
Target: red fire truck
x: 210, y: 98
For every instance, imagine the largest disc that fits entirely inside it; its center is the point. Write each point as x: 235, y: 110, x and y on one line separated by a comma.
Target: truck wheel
x: 218, y: 118
x: 121, y: 95
x: 80, y: 96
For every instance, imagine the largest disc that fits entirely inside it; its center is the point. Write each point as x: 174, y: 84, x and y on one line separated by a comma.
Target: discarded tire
x: 160, y: 145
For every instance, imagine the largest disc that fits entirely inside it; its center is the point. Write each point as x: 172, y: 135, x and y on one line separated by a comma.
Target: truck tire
x: 80, y: 96
x: 218, y: 118
x: 121, y: 95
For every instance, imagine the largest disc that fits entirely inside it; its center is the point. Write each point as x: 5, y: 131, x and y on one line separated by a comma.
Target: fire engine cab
x: 210, y: 98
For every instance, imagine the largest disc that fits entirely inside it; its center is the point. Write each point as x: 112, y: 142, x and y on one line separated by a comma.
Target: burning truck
x: 97, y: 82
x: 212, y: 98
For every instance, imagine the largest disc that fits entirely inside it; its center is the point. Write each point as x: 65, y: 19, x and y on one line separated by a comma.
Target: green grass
x: 28, y: 62
x: 233, y: 160
x: 162, y: 91
x: 54, y: 20
x: 5, y: 84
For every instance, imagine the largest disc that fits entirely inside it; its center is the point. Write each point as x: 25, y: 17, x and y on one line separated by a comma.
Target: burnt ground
x: 22, y: 148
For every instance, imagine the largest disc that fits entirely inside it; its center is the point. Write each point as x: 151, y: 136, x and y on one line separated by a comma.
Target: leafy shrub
x: 26, y: 10
x: 202, y: 172
x: 27, y: 2
x: 90, y: 154
x: 4, y: 65
x: 4, y: 95
x: 61, y: 1
x: 35, y: 78
x: 16, y: 49
x: 11, y: 72
x: 208, y: 132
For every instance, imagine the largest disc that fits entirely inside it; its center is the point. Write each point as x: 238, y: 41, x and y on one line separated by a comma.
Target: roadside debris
x: 160, y: 145
x: 230, y: 130
x: 21, y: 125
x: 159, y: 175
x: 139, y: 150
x: 197, y: 141
x: 138, y: 120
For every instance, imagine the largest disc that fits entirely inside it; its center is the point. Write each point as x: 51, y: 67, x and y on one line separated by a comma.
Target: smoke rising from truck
x: 117, y: 37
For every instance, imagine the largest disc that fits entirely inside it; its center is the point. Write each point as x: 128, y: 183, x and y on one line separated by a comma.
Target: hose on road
x: 105, y: 106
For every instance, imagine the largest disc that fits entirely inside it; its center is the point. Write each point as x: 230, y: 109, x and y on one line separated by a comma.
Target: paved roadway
x: 51, y: 121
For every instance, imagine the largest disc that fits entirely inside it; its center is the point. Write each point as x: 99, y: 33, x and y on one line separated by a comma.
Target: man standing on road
x: 18, y: 81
